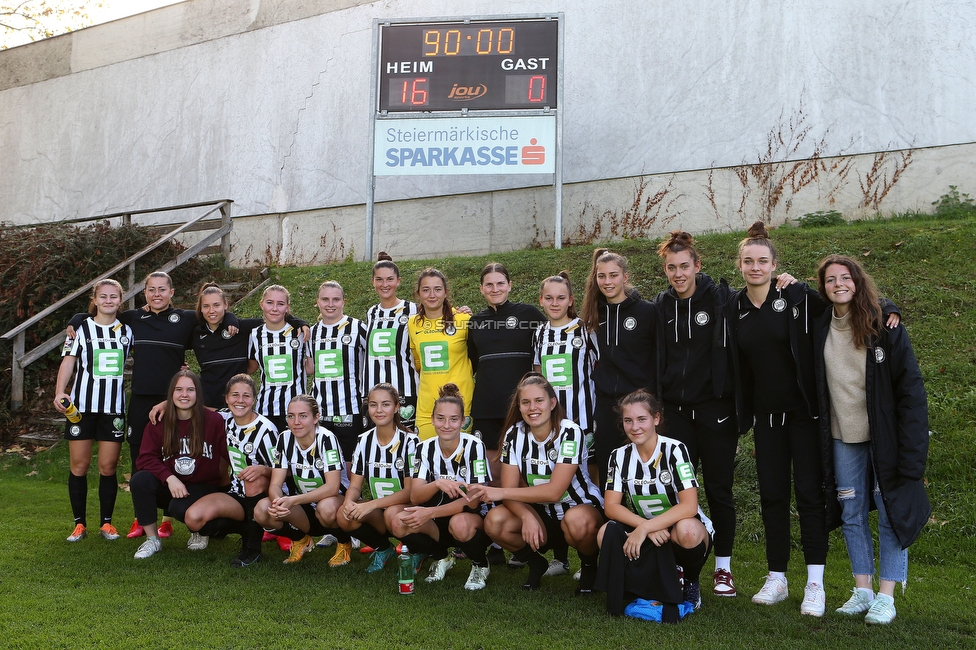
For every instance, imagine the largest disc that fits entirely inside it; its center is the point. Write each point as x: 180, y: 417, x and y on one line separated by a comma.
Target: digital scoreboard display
x: 477, y: 64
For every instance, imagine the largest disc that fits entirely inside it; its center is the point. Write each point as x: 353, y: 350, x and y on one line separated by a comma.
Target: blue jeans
x: 853, y: 470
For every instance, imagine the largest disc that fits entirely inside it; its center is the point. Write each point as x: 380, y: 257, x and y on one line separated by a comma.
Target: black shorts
x: 315, y: 526
x: 489, y: 431
x: 554, y: 530
x: 96, y: 426
x: 347, y: 429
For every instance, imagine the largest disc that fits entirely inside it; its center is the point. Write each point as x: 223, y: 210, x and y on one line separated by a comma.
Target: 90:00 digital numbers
x: 468, y: 42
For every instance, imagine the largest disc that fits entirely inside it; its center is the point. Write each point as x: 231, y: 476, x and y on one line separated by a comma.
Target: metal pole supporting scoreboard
x: 476, y: 95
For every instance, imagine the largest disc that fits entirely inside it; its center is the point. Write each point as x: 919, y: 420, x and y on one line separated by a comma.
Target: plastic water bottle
x: 405, y: 571
x: 70, y: 411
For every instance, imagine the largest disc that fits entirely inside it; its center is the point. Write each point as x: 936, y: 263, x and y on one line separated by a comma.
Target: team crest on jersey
x: 577, y: 342
x: 248, y: 448
x: 124, y: 340
x: 630, y: 323
x: 665, y: 477
x: 610, y: 473
x: 511, y: 322
x: 879, y: 355
x: 185, y: 465
x: 450, y: 329
x: 174, y: 318
x: 74, y: 430
x: 117, y: 424
x: 319, y: 463
x: 225, y: 334
x: 398, y: 464
x: 404, y: 319
x: 294, y: 344
x: 346, y: 340
x: 462, y: 472
x: 477, y: 434
x: 779, y: 305
x: 552, y: 454
x: 702, y: 318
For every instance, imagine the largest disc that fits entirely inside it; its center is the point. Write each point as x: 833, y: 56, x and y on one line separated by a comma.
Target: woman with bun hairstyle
x: 383, y: 464
x: 693, y: 376
x: 96, y: 357
x: 441, y: 516
x: 184, y: 458
x: 624, y: 325
x: 771, y: 335
x: 221, y: 350
x: 335, y: 364
x: 278, y: 350
x: 309, y: 458
x: 251, y: 444
x: 500, y: 347
x: 389, y: 358
x: 439, y: 342
x: 874, y: 418
x: 651, y: 500
x: 546, y: 492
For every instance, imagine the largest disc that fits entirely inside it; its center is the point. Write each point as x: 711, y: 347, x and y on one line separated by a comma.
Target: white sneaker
x: 150, y: 547
x: 858, y: 603
x: 814, y: 600
x: 882, y: 611
x: 197, y: 542
x: 576, y: 576
x: 439, y: 568
x: 355, y: 543
x: 477, y: 577
x: 774, y: 591
x: 327, y: 541
x: 557, y: 568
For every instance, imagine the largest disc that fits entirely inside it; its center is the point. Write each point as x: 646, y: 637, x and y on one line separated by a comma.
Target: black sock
x: 221, y: 527
x: 425, y: 545
x: 692, y: 559
x: 108, y: 490
x: 537, y: 566
x: 587, y: 572
x: 560, y: 550
x: 342, y: 537
x: 78, y: 496
x: 476, y: 548
x: 366, y: 533
x: 288, y: 531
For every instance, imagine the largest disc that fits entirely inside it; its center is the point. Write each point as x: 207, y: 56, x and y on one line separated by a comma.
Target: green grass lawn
x: 55, y: 594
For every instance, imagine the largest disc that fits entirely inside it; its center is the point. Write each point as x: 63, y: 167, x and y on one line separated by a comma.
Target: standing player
x: 441, y: 516
x: 382, y: 463
x: 309, y: 457
x: 546, y: 492
x: 439, y: 342
x: 251, y: 444
x: 338, y: 349
x: 652, y: 492
x: 278, y: 350
x: 98, y: 352
x: 389, y: 358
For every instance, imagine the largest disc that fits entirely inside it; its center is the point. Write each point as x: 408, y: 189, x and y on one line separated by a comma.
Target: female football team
x: 362, y: 430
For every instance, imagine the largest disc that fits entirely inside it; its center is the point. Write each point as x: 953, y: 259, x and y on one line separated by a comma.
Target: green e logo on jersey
x: 238, y: 461
x: 306, y: 485
x: 651, y: 505
x: 569, y: 448
x: 382, y: 343
x: 384, y: 487
x: 277, y: 369
x: 108, y: 363
x: 558, y: 369
x: 685, y: 472
x: 332, y: 457
x: 434, y: 357
x: 538, y: 479
x: 479, y: 467
x: 328, y: 364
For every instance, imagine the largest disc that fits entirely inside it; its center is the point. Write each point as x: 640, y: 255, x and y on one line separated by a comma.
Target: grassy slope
x: 57, y: 594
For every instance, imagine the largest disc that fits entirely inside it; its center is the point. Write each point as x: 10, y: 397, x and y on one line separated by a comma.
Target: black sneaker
x: 693, y: 593
x: 246, y: 558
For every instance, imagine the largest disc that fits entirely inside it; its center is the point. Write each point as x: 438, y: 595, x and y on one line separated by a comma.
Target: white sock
x: 815, y: 573
x: 781, y: 575
x: 867, y: 592
x: 890, y: 599
x: 723, y: 563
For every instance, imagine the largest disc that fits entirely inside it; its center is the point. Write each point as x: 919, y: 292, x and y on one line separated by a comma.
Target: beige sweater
x: 845, y: 370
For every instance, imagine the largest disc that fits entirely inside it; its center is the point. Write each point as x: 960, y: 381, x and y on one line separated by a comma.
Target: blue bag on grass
x: 651, y: 610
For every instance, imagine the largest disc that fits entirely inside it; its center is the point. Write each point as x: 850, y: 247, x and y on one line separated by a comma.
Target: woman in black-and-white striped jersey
x: 652, y: 493
x: 335, y: 364
x: 388, y: 356
x: 98, y: 352
x: 309, y: 458
x: 383, y: 461
x: 547, y: 453
x: 278, y: 350
x: 441, y: 517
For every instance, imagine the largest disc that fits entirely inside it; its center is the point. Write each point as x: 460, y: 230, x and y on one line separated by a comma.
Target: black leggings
x: 149, y: 494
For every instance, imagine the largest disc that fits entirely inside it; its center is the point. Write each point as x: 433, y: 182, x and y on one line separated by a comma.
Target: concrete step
x: 40, y: 438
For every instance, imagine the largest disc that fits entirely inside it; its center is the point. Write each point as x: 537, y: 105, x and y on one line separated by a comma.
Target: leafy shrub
x: 954, y: 205
x: 821, y: 218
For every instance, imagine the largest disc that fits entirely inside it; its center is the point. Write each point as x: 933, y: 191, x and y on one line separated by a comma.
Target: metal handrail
x: 22, y: 359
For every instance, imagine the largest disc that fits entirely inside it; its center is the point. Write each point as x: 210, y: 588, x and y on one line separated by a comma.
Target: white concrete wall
x: 266, y: 102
